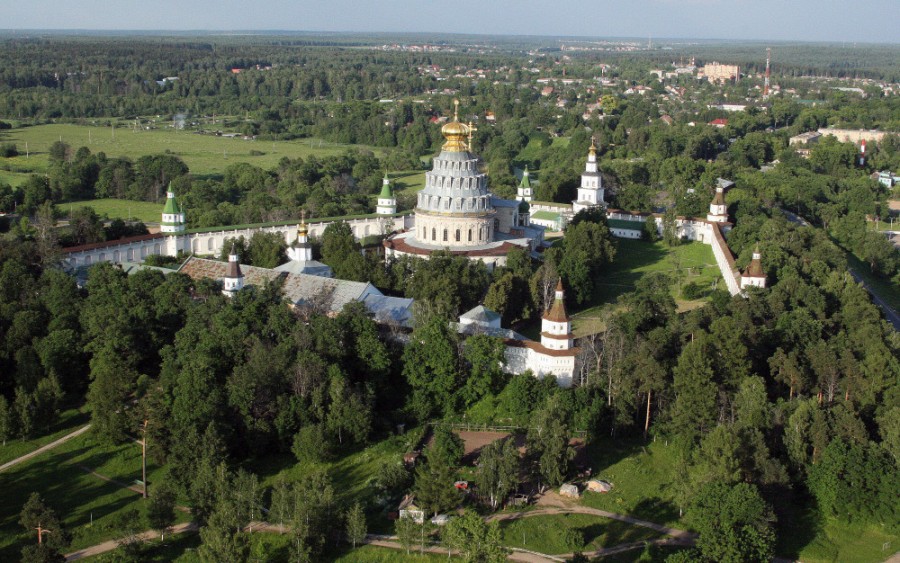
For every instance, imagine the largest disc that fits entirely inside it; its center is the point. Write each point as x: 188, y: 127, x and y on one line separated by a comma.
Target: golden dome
x: 301, y: 228
x: 455, y: 132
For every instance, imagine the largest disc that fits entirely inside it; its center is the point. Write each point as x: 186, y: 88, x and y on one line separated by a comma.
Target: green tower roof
x: 386, y: 191
x: 172, y: 206
x: 525, y: 183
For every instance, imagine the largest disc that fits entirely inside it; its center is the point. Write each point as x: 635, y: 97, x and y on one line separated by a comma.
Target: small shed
x: 409, y: 509
x: 599, y: 486
x: 570, y: 490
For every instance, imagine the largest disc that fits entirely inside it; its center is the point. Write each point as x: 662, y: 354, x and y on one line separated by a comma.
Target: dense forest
x: 786, y: 397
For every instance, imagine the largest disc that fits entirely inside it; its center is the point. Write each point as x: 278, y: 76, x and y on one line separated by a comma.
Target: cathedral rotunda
x: 456, y: 211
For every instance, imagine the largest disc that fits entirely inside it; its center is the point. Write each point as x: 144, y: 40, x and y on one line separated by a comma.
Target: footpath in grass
x: 205, y: 155
x: 89, y: 506
x: 568, y: 533
x: 69, y: 421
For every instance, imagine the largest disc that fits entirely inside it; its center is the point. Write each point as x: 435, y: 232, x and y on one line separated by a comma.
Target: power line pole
x: 144, y: 459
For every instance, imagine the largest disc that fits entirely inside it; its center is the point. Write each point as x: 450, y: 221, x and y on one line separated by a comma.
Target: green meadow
x: 205, y: 154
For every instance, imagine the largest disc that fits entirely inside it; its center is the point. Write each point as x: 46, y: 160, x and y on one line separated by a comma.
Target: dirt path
x: 674, y: 532
x: 113, y: 544
x: 48, y: 447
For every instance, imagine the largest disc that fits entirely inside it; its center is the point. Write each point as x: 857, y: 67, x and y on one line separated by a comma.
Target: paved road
x: 48, y: 447
x: 891, y: 315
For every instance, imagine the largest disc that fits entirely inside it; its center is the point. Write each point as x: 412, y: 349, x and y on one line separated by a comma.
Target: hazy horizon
x: 829, y: 21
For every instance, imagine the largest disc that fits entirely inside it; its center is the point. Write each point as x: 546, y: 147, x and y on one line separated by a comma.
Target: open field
x: 14, y: 179
x: 567, y: 533
x: 848, y: 543
x: 88, y: 505
x: 205, y: 155
x: 117, y: 208
x: 69, y: 421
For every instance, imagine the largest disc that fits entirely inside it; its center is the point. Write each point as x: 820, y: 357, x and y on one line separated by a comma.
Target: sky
x: 870, y: 21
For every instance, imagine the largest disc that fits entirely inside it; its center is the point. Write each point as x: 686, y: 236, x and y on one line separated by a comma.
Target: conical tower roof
x: 234, y: 267
x: 754, y: 268
x: 172, y: 206
x: 386, y: 191
x: 557, y: 311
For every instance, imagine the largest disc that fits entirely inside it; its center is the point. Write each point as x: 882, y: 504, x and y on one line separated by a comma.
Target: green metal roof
x: 172, y: 206
x: 386, y: 191
x: 624, y: 224
x: 545, y: 216
x: 526, y: 182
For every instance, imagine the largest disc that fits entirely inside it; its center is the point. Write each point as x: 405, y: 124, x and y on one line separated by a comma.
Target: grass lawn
x: 641, y: 477
x: 205, y: 155
x: 118, y: 208
x: 77, y: 496
x: 803, y: 534
x: 567, y: 533
x: 407, y: 181
x: 69, y: 421
x: 848, y: 543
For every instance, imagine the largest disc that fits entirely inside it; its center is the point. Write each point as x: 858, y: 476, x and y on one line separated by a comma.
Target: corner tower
x: 173, y: 220
x: 754, y: 276
x: 387, y: 203
x: 718, y: 209
x: 556, y: 326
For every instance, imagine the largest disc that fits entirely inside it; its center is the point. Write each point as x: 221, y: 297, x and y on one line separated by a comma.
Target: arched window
x: 480, y: 234
x: 457, y: 235
x: 445, y: 235
x: 470, y: 235
x: 433, y: 233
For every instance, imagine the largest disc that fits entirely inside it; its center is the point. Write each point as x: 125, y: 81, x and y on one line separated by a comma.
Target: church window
x: 457, y: 235
x: 433, y: 233
x: 445, y: 235
x: 470, y: 235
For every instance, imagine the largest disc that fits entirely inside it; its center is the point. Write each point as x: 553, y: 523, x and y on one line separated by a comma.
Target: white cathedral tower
x: 590, y: 193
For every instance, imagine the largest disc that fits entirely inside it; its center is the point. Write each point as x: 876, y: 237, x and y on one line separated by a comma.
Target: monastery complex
x: 455, y: 212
